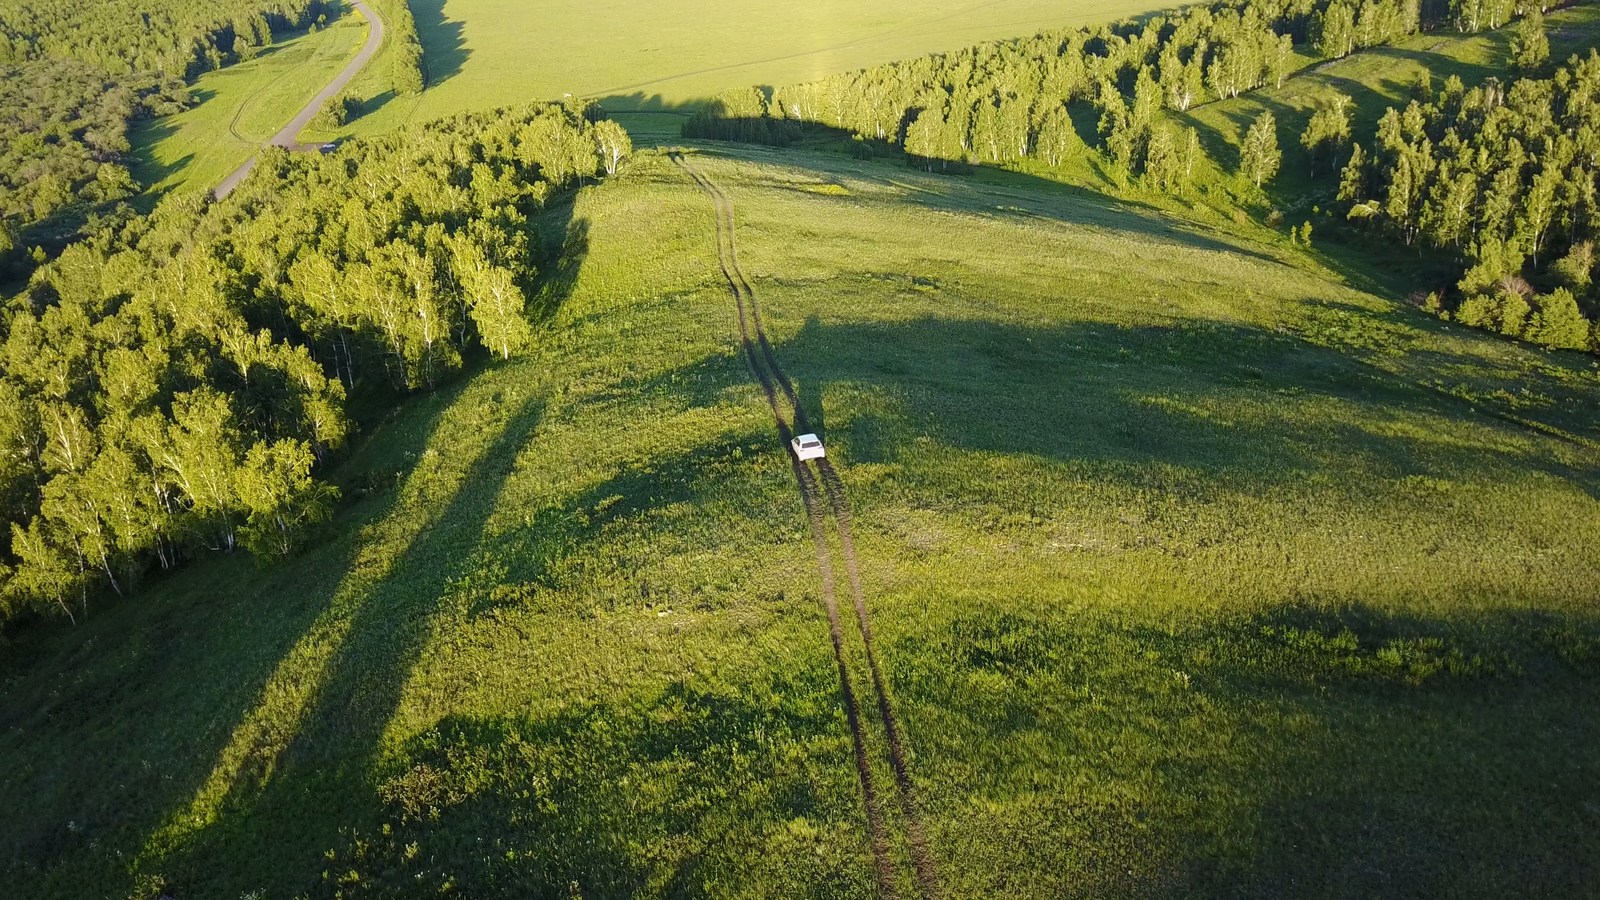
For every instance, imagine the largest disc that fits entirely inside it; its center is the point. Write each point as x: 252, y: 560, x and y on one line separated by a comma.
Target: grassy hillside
x: 1192, y: 570
x: 486, y: 53
x: 240, y: 107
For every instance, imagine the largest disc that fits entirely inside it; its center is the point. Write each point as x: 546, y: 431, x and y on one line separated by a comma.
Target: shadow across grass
x: 1242, y: 405
x: 444, y: 48
x: 205, y: 781
x: 673, y: 788
x: 1386, y: 755
x: 1058, y: 751
x: 322, y: 768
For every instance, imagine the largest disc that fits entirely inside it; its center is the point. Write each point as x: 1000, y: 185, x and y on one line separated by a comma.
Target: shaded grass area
x: 1194, y: 572
x: 240, y: 107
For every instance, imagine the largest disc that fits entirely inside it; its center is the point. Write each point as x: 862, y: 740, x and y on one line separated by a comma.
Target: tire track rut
x: 774, y: 380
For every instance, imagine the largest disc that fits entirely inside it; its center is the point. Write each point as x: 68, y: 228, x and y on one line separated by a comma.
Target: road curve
x: 286, y: 138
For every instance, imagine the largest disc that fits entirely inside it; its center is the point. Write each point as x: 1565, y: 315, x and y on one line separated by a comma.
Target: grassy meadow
x: 240, y: 107
x: 486, y: 53
x: 1195, y: 570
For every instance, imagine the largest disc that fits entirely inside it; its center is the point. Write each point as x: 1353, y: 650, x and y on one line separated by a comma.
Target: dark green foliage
x: 1557, y: 321
x: 138, y: 37
x: 175, y: 382
x: 1503, y: 179
x: 1312, y: 653
x: 1530, y: 49
x: 72, y: 75
x: 337, y: 113
x: 741, y: 116
x: 1327, y: 133
x: 63, y: 148
x: 408, y: 69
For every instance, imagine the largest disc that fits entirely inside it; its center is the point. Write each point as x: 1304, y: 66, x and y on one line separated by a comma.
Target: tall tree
x: 1327, y: 133
x: 1530, y: 46
x: 615, y: 145
x: 1259, y: 155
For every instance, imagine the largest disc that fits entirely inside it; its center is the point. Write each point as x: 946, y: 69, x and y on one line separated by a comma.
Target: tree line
x: 1055, y: 96
x: 406, y: 66
x: 177, y: 382
x: 1503, y: 178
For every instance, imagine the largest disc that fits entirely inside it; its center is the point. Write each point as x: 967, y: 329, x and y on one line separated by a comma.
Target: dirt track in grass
x: 790, y: 419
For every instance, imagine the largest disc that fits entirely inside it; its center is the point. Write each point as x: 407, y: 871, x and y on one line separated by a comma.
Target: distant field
x: 241, y: 106
x: 1195, y: 572
x: 485, y: 53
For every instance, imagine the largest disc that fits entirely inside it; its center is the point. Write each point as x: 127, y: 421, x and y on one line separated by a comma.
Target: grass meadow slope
x: 1193, y: 571
x: 240, y: 107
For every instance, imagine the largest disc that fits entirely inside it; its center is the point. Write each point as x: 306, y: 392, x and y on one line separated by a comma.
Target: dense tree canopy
x: 73, y: 75
x: 174, y: 383
x: 64, y: 146
x: 1505, y: 179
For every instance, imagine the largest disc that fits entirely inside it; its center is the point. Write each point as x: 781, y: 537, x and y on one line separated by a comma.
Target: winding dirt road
x: 288, y: 136
x: 790, y: 418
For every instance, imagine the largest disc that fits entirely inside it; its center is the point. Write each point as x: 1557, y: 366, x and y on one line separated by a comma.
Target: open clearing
x: 486, y: 53
x: 240, y: 107
x: 1191, y: 570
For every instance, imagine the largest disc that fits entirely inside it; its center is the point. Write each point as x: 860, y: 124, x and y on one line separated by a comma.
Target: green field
x: 1194, y: 571
x: 486, y: 53
x: 240, y: 107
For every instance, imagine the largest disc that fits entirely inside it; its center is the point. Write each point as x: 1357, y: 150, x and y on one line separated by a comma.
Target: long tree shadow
x: 444, y: 48
x: 1243, y: 404
x: 556, y: 792
x: 320, y: 714
x: 529, y: 805
x: 1395, y: 778
x: 1133, y: 399
x: 232, y: 672
x: 663, y: 791
x: 714, y: 757
x: 247, y: 691
x: 377, y: 622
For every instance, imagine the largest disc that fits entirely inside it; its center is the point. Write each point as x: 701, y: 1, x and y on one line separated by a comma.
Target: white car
x: 807, y: 446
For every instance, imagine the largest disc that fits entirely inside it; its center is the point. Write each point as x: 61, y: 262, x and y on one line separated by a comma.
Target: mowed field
x: 240, y: 107
x: 1192, y: 571
x: 486, y: 53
